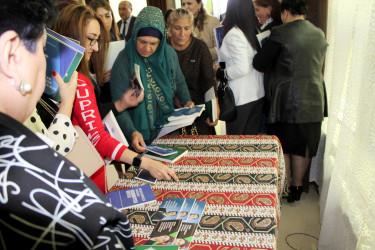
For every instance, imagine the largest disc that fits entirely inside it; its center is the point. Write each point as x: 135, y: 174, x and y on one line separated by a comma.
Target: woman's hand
x: 189, y: 104
x: 216, y: 67
x: 107, y: 75
x: 129, y: 99
x: 138, y: 143
x: 211, y: 124
x: 158, y: 170
x: 67, y: 93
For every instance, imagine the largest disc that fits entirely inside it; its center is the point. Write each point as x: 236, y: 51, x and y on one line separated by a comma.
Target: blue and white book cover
x: 185, y: 210
x: 164, y: 151
x: 196, y: 212
x: 63, y: 56
x: 131, y: 197
x: 183, y: 113
x: 169, y: 209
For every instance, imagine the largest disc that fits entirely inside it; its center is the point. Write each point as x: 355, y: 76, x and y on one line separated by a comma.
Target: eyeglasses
x: 94, y: 41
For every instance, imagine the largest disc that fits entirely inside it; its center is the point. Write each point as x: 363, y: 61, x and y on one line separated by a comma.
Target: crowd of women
x: 47, y: 201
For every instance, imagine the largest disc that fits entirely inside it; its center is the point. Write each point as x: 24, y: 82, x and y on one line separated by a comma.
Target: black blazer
x: 130, y: 29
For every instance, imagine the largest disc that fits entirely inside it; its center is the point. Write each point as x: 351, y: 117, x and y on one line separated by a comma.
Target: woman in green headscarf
x: 160, y: 74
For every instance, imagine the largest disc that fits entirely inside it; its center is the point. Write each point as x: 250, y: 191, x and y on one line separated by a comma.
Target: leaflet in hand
x: 183, y: 113
x: 114, y: 49
x: 262, y: 37
x: 131, y: 197
x: 112, y: 127
x: 181, y: 118
x: 136, y: 80
x: 211, y: 105
x: 63, y: 56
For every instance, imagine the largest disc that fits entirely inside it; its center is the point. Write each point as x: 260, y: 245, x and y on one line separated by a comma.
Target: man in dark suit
x: 125, y: 25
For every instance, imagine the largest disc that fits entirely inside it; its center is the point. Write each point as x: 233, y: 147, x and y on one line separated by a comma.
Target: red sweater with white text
x: 87, y: 116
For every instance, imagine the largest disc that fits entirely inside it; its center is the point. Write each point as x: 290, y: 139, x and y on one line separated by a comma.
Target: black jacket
x: 130, y: 29
x: 294, y: 84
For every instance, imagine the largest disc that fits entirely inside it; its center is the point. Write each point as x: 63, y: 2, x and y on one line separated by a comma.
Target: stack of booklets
x: 63, y: 55
x: 164, y: 153
x: 181, y: 117
x: 131, y: 197
x: 176, y: 220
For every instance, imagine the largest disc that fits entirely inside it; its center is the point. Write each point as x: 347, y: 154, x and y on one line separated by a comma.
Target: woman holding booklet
x: 46, y: 201
x: 195, y: 62
x: 160, y: 75
x: 80, y: 23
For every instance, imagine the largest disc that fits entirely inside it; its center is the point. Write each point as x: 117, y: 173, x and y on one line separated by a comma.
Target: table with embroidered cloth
x: 240, y: 177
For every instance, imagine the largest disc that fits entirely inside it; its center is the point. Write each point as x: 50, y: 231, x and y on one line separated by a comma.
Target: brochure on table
x: 169, y: 209
x: 169, y: 158
x: 131, y: 197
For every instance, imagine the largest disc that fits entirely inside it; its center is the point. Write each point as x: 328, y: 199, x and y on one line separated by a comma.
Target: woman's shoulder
x: 235, y: 32
x: 212, y: 21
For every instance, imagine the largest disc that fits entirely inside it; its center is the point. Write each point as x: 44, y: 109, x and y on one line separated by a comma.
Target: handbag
x: 228, y: 111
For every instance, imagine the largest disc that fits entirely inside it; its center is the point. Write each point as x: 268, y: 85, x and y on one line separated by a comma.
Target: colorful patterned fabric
x: 240, y: 178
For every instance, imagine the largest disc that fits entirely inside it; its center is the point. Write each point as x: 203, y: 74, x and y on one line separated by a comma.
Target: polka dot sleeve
x: 62, y: 132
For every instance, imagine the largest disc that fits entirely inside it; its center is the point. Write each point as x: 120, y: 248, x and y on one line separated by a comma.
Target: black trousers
x: 248, y: 119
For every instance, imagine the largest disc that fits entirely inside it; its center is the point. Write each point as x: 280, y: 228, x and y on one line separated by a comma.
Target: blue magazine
x: 63, y: 56
x: 131, y: 197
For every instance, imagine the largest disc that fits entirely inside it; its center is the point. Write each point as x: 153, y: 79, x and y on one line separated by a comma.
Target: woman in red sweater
x: 81, y: 23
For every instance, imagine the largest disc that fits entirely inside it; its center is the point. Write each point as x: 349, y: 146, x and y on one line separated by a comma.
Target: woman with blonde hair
x: 195, y: 62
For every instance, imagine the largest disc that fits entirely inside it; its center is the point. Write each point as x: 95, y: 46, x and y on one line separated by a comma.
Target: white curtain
x: 348, y: 192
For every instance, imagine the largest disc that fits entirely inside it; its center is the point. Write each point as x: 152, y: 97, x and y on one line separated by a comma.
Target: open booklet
x: 181, y: 117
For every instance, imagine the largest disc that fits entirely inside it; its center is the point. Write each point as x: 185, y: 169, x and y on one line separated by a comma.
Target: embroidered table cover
x: 240, y: 177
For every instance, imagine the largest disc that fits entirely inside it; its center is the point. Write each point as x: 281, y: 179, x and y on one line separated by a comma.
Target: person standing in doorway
x: 125, y: 25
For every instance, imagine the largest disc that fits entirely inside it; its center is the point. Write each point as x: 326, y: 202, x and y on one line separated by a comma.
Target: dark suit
x: 130, y: 29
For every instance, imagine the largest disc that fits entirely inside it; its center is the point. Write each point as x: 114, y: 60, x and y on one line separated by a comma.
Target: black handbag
x: 228, y: 111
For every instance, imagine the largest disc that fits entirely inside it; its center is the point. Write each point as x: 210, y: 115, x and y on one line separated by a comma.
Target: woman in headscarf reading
x: 160, y: 74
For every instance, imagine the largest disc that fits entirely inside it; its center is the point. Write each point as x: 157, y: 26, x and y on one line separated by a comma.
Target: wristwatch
x: 137, y: 161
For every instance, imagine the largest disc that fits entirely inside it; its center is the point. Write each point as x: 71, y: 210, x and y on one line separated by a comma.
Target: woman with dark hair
x: 237, y: 51
x: 295, y: 92
x: 267, y: 13
x: 204, y: 24
x: 160, y: 74
x: 80, y: 23
x: 104, y: 11
x: 195, y: 62
x: 46, y: 202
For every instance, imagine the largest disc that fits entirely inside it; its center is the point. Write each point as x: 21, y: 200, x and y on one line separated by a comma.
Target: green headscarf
x: 155, y: 74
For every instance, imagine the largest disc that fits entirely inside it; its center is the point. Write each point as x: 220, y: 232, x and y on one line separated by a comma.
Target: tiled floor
x: 299, y: 220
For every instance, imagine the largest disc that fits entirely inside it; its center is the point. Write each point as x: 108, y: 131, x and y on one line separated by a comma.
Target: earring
x: 23, y: 88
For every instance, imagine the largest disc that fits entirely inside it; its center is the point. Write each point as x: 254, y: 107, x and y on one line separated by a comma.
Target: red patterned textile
x: 240, y: 178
